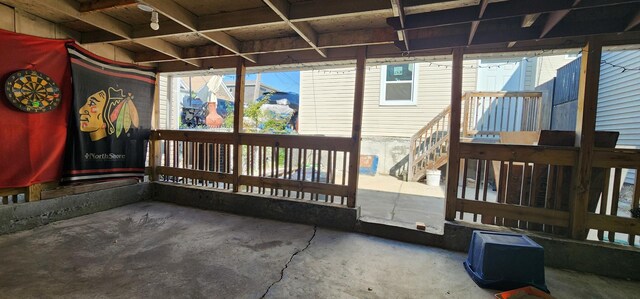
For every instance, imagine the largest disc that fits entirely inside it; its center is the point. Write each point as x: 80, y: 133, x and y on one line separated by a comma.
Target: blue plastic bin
x: 503, y: 261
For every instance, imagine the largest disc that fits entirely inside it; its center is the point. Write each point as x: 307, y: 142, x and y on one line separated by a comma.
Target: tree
x: 257, y: 119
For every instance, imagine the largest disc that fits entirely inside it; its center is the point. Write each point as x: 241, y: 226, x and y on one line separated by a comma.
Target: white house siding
x: 326, y: 101
x: 619, y: 99
x: 547, y: 66
x: 164, y: 103
x: 530, y: 68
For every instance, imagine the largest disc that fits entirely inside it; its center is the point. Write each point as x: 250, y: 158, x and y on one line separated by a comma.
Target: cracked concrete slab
x: 159, y: 250
x: 344, y: 265
x: 149, y: 250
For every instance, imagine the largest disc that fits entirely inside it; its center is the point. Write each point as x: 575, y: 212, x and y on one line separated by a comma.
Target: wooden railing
x: 620, y: 194
x: 303, y: 167
x: 486, y: 114
x: 428, y: 146
x: 515, y: 185
x: 529, y: 187
x: 194, y: 158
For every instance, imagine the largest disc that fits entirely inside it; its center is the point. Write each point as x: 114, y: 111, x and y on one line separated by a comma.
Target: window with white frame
x: 398, y: 84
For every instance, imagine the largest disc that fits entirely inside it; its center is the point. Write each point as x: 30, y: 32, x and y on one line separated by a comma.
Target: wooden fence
x: 529, y: 187
x: 303, y: 167
x: 489, y: 113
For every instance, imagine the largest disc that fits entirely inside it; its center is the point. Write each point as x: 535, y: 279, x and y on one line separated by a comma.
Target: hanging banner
x: 110, y: 118
x: 34, y: 108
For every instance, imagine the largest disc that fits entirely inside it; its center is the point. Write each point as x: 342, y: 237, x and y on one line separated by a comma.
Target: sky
x: 282, y: 81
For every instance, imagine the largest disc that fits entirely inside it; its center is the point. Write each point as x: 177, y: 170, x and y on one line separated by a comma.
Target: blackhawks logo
x: 109, y: 113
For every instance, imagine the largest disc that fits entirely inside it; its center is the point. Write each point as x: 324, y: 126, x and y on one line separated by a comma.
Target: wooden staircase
x: 484, y: 116
x: 429, y: 146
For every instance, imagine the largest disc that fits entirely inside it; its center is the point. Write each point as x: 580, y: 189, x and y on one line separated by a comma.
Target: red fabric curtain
x: 32, y: 144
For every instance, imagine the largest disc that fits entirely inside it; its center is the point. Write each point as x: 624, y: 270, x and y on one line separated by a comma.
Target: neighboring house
x: 618, y: 98
x: 191, y: 93
x: 399, y: 99
x: 174, y: 91
x: 253, y: 89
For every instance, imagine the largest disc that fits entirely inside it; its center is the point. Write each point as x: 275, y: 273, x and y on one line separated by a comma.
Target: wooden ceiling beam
x: 503, y: 32
x: 100, y: 20
x: 316, y: 10
x: 475, y: 24
x: 99, y: 5
x: 552, y: 20
x: 286, y: 44
x: 303, y: 29
x: 184, y: 17
x: 255, y: 17
x: 397, y: 6
x: 217, y: 22
x: 499, y: 10
x: 555, y: 17
x: 112, y: 25
x: 300, y: 59
x: 202, y: 52
x: 635, y: 21
x: 263, y: 16
x: 168, y: 49
x: 528, y: 20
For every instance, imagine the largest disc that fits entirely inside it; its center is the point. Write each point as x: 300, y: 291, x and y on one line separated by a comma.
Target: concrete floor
x: 387, y: 197
x: 158, y: 250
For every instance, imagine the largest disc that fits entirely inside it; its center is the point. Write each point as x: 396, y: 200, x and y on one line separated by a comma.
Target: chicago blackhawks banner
x: 34, y: 108
x: 110, y: 118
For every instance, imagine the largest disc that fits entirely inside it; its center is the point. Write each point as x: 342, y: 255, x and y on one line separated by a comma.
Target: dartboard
x: 32, y: 91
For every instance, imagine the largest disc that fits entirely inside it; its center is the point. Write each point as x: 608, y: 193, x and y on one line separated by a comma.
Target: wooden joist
x: 84, y: 188
x: 298, y: 141
x: 302, y: 28
x: 554, y: 155
x: 99, y: 5
x: 294, y: 185
x: 497, y: 11
x: 616, y: 158
x: 509, y: 211
x: 192, y: 136
x: 613, y: 223
x: 195, y: 174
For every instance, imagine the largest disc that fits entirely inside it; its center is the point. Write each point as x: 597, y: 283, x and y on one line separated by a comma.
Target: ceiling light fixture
x: 155, y: 25
x: 155, y: 22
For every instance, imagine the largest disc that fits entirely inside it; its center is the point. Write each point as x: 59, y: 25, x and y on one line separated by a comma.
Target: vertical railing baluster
x: 615, y: 197
x: 344, y: 173
x: 299, y: 171
x: 304, y: 170
x: 477, y: 193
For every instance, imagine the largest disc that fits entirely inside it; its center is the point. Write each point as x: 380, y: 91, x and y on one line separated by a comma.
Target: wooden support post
x: 238, y: 114
x: 356, y: 127
x: 453, y: 166
x: 467, y: 112
x: 585, y: 132
x: 33, y: 192
x: 154, y: 144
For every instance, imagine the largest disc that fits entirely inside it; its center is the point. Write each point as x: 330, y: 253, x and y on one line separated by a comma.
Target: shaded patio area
x: 151, y: 249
